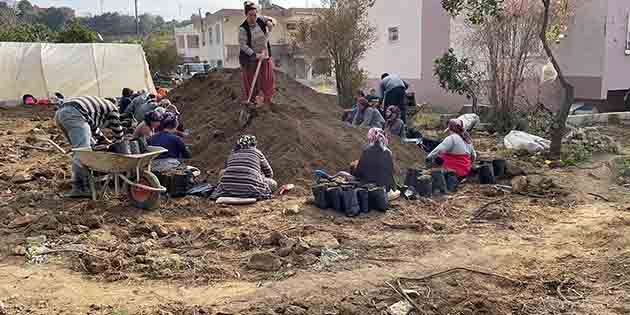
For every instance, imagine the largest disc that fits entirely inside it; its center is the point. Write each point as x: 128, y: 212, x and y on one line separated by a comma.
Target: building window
x: 181, y: 42
x: 193, y: 41
x: 393, y: 34
x: 218, y: 29
x: 291, y: 27
x: 210, y: 35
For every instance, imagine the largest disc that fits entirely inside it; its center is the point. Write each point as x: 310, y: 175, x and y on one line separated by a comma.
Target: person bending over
x: 247, y: 173
x: 81, y: 118
x: 147, y: 128
x: 367, y: 116
x: 168, y: 140
x: 456, y: 152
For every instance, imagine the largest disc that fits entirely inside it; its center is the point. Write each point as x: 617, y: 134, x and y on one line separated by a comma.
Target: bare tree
x: 343, y: 31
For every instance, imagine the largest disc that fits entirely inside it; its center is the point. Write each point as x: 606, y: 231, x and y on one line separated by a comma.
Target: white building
x: 214, y: 39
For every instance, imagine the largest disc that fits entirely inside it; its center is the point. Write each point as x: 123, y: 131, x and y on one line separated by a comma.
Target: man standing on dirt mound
x: 255, y: 55
x: 394, y: 93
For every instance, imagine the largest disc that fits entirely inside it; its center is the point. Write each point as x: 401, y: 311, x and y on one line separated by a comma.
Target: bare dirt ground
x: 559, y: 251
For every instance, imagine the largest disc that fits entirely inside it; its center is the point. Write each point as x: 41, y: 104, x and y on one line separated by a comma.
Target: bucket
x: 499, y: 166
x: 121, y: 147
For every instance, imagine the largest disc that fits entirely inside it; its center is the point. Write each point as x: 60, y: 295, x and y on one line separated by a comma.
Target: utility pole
x: 137, y: 20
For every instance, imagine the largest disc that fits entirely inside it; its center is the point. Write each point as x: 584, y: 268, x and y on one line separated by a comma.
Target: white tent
x: 41, y: 69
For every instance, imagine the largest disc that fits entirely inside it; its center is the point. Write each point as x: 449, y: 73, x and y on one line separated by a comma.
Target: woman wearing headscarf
x: 253, y: 38
x: 456, y: 152
x: 168, y: 140
x: 247, y: 173
x: 147, y: 128
x: 393, y: 123
x: 376, y: 165
x: 367, y: 116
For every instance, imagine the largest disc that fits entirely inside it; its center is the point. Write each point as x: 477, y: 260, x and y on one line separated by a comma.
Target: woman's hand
x: 260, y: 56
x: 270, y: 25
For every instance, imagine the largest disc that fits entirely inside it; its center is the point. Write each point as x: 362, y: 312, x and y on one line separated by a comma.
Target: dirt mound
x: 299, y: 133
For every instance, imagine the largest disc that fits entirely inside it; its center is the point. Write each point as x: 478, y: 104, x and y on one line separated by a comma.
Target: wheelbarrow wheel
x: 142, y: 198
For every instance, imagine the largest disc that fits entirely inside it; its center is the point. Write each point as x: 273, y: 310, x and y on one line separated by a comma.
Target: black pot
x: 411, y: 179
x: 438, y: 181
x: 121, y: 147
x: 134, y: 147
x: 486, y: 175
x: 333, y: 198
x: 498, y: 167
x: 425, y: 186
x: 362, y: 195
x: 350, y: 203
x: 377, y: 199
x: 451, y: 181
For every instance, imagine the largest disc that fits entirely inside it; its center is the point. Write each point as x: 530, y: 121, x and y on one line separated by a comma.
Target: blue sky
x: 169, y: 9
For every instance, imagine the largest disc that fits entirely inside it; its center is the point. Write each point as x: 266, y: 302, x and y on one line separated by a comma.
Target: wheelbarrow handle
x: 55, y: 145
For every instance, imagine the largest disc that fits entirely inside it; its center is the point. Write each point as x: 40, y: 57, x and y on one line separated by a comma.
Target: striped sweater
x: 244, y: 176
x: 99, y: 113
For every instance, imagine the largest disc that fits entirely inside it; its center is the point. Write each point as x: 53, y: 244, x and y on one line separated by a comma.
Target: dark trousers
x: 397, y: 97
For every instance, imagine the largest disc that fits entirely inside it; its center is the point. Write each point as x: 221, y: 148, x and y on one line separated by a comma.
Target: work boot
x: 79, y: 190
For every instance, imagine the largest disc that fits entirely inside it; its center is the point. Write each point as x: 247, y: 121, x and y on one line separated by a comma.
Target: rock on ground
x: 264, y: 262
x: 322, y: 240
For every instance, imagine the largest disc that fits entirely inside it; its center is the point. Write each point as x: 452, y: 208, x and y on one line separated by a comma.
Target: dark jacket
x: 376, y: 166
x: 175, y: 145
x: 245, y: 58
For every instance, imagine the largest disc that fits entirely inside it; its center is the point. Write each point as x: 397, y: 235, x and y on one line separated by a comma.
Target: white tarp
x: 41, y: 69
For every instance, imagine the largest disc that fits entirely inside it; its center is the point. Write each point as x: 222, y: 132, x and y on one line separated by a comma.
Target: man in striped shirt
x: 81, y: 118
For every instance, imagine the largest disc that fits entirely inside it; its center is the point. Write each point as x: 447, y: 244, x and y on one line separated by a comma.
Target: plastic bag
x: 469, y: 120
x: 519, y: 140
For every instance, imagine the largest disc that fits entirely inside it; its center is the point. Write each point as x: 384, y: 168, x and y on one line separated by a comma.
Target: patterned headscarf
x: 169, y: 121
x: 395, y: 112
x: 363, y: 103
x: 376, y: 136
x: 457, y: 126
x: 153, y: 116
x: 246, y: 141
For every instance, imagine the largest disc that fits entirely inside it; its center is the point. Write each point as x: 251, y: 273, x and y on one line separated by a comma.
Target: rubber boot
x: 486, y: 175
x: 80, y: 189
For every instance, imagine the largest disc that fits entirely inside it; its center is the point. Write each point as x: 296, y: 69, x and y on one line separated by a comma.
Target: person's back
x: 372, y: 118
x: 141, y: 110
x: 376, y: 166
x: 176, y: 147
x: 244, y: 175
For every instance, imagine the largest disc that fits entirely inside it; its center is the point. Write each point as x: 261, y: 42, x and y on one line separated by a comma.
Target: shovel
x: 247, y: 114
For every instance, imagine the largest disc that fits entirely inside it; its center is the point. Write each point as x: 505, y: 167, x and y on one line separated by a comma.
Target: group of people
x: 82, y: 120
x: 387, y: 111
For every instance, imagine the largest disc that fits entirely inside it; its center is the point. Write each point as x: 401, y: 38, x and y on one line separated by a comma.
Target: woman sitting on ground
x: 456, y: 152
x: 394, y: 124
x: 247, y: 173
x: 367, y: 116
x: 376, y: 165
x: 147, y: 128
x: 167, y: 139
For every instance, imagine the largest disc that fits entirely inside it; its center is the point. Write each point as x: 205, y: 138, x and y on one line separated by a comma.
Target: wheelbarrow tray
x: 108, y: 162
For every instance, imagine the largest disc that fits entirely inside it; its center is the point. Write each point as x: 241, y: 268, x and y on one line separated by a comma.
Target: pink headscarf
x: 376, y: 136
x: 457, y: 126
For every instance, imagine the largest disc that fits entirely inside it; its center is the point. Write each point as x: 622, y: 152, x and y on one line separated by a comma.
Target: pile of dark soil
x: 301, y: 132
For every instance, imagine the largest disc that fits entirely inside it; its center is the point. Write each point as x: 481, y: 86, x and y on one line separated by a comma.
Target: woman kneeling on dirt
x: 456, y: 152
x: 167, y: 139
x: 253, y: 38
x: 394, y: 124
x: 367, y: 116
x: 247, y: 174
x: 376, y: 165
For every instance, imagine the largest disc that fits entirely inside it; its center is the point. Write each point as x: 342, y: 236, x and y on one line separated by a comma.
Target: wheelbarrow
x: 143, y: 187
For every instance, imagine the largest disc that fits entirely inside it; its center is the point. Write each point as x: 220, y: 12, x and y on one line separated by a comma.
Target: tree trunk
x: 558, y: 128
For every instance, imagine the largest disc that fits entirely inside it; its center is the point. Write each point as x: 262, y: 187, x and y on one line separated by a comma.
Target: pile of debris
x: 592, y: 139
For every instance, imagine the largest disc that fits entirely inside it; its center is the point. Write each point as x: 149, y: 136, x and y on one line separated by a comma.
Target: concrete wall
x: 582, y: 52
x: 617, y: 63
